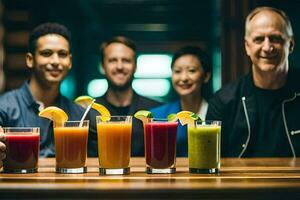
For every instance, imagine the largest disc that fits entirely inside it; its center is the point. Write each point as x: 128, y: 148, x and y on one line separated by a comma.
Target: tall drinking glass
x: 22, y: 149
x: 114, y: 144
x: 204, y: 144
x: 71, y: 147
x: 160, y: 146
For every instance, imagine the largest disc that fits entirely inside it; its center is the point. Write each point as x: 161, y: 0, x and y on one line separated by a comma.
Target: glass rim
x: 19, y: 128
x: 74, y: 124
x: 100, y: 119
x: 112, y: 116
x: 76, y: 121
x: 208, y: 122
x: 161, y: 120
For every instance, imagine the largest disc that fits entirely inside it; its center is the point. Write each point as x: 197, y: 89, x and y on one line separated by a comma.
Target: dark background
x: 156, y: 26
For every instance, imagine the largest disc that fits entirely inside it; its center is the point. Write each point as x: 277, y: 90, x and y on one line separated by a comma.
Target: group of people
x: 258, y: 111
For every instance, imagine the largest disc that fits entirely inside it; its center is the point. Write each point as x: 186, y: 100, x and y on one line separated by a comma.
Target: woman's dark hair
x: 197, y: 52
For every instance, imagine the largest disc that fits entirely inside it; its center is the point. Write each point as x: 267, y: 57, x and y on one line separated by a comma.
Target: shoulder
x: 227, y: 97
x: 232, y: 90
x: 9, y: 98
x: 293, y: 78
x: 73, y: 110
x: 166, y: 109
x: 101, y: 99
x: 146, y: 102
x: 10, y: 107
x: 9, y: 94
x: 68, y: 103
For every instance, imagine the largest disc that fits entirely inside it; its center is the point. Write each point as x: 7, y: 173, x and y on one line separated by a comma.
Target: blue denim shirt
x: 18, y: 108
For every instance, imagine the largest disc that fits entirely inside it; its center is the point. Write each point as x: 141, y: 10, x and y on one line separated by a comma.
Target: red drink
x: 160, y: 144
x: 22, y: 152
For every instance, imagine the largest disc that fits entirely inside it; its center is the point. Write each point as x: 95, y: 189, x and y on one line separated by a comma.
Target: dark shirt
x: 137, y: 137
x: 19, y: 109
x: 119, y: 110
x: 269, y: 118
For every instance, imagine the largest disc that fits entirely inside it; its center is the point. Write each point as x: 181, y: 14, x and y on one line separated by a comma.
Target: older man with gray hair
x: 259, y: 112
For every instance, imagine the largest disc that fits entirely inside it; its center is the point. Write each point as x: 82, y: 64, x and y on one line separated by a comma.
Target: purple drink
x: 160, y: 144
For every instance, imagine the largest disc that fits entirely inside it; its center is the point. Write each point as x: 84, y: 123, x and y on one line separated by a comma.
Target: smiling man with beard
x: 119, y: 64
x: 260, y: 112
x: 49, y: 61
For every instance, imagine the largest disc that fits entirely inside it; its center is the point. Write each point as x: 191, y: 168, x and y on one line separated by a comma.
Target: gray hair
x: 288, y: 26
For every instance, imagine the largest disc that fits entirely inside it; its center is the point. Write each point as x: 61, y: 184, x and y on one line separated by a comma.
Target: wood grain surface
x: 252, y: 178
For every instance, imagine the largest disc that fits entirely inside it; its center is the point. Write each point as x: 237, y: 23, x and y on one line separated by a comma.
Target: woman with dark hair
x: 191, y: 70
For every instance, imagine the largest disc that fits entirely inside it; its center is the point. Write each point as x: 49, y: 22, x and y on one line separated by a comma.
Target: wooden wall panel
x: 235, y: 62
x: 17, y: 26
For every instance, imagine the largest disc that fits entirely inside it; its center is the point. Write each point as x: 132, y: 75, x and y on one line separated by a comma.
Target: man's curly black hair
x: 45, y: 29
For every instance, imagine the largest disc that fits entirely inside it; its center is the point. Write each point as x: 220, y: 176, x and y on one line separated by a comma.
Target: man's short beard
x: 119, y: 88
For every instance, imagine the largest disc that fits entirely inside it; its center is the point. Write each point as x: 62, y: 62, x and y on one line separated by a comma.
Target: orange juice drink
x: 114, y: 144
x: 71, y: 147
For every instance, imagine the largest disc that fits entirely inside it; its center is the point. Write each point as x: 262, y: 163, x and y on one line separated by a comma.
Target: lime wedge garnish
x: 143, y: 115
x: 172, y: 117
x: 195, y: 117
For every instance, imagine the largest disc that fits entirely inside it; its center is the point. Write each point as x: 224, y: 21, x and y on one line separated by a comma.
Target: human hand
x: 2, y: 147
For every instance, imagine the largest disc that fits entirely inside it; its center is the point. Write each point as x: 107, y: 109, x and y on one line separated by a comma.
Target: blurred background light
x: 151, y: 87
x: 97, y: 87
x: 100, y: 68
x: 68, y: 87
x: 217, y: 74
x: 153, y: 66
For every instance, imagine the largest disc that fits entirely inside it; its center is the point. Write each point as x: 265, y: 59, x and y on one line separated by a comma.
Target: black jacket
x: 235, y: 106
x: 137, y: 136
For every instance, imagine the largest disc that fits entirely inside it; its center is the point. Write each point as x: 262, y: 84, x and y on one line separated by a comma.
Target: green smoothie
x: 204, y: 146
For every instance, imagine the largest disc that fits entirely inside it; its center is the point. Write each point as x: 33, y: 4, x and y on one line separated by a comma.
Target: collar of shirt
x: 203, y: 109
x: 30, y: 101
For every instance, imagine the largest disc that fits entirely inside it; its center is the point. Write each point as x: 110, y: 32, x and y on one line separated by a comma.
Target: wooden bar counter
x: 253, y: 178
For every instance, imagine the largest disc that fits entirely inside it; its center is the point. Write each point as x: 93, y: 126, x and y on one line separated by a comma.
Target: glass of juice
x: 204, y: 143
x: 160, y: 146
x: 114, y: 144
x: 71, y: 147
x: 22, y: 149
